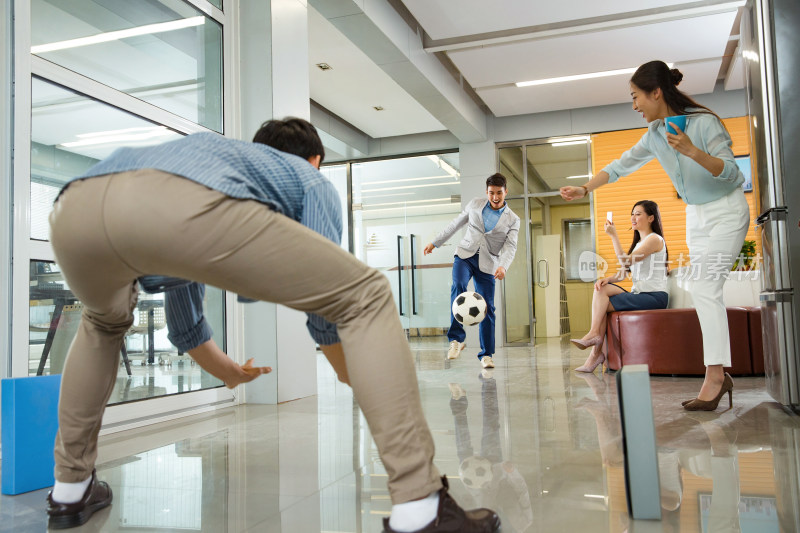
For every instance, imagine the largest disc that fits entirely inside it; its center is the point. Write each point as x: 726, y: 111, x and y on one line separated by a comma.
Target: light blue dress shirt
x: 239, y: 169
x: 490, y: 217
x: 694, y: 184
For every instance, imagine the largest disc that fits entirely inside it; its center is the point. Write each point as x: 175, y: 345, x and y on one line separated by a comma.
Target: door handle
x: 413, y: 275
x: 539, y: 281
x: 400, y: 273
x: 775, y: 213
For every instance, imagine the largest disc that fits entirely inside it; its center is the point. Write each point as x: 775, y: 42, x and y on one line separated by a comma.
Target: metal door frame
x: 525, y: 220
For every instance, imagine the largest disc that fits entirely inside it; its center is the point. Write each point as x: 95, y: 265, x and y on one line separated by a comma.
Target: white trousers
x: 715, y: 233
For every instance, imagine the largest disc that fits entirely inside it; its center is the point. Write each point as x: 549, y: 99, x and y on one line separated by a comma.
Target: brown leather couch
x: 670, y: 341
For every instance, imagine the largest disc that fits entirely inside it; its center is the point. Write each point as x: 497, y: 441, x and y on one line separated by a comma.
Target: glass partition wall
x: 399, y: 206
x: 534, y: 295
x: 92, y: 77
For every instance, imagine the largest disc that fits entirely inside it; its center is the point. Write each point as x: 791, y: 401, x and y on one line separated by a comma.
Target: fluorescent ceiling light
x: 598, y: 496
x: 576, y: 77
x: 148, y: 29
x: 443, y: 176
x: 568, y: 143
x: 584, y: 176
x: 440, y: 204
x: 393, y: 195
x: 409, y: 187
x: 429, y: 200
x: 582, y: 138
x: 444, y: 165
x: 123, y: 136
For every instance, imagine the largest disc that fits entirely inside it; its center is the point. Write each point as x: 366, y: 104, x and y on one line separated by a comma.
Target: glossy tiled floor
x: 533, y: 440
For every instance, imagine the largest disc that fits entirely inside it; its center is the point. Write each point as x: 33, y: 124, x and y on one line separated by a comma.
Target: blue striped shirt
x: 239, y: 169
x: 694, y: 184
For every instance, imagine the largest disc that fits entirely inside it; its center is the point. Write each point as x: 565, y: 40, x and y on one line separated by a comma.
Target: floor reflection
x: 536, y: 441
x: 491, y: 481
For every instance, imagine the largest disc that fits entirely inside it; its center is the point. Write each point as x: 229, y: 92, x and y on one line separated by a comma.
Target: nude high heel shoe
x: 711, y: 405
x: 583, y: 344
x: 596, y: 358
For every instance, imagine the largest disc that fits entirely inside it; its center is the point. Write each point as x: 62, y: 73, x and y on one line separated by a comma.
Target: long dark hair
x: 657, y: 75
x: 651, y: 209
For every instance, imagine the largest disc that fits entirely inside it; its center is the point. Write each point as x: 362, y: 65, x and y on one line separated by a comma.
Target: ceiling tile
x: 673, y: 41
x: 444, y: 19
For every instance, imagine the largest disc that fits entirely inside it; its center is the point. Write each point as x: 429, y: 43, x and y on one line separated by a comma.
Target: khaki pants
x: 108, y: 231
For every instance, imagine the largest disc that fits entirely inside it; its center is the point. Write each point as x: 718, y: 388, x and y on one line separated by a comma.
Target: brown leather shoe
x: 65, y: 515
x: 452, y: 518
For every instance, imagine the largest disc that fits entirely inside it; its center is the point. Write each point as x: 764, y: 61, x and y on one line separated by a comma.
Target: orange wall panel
x: 650, y: 183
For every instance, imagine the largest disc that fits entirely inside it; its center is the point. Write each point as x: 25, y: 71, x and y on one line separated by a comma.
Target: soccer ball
x: 475, y: 472
x: 469, y: 308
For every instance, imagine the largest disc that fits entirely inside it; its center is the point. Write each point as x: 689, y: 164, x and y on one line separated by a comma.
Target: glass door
x: 517, y: 297
x: 399, y: 205
x: 535, y: 294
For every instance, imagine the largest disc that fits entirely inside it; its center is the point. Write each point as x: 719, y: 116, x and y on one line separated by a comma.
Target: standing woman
x: 700, y: 163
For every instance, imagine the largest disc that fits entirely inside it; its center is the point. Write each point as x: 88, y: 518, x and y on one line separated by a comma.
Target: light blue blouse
x: 694, y: 184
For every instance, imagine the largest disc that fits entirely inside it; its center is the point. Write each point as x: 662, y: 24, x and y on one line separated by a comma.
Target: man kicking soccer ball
x: 483, y: 255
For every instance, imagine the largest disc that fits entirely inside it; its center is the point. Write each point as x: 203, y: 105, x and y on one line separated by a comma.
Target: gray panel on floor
x: 639, y: 443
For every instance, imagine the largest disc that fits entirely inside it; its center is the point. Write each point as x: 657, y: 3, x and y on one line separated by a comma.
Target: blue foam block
x: 29, y: 425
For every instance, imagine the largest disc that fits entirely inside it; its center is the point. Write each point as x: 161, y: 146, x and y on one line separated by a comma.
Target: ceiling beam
x: 386, y: 38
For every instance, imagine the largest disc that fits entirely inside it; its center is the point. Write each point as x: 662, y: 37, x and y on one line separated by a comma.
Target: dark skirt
x: 628, y: 301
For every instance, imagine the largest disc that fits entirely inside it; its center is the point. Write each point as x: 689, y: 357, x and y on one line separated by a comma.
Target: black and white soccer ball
x: 469, y: 308
x: 475, y: 472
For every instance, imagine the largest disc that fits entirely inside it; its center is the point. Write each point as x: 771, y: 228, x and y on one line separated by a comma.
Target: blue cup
x: 678, y: 120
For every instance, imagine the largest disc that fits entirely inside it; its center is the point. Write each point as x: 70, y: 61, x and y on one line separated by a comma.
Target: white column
x: 274, y: 83
x: 6, y: 108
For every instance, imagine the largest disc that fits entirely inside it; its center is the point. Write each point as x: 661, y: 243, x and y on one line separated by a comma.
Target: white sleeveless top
x: 650, y: 274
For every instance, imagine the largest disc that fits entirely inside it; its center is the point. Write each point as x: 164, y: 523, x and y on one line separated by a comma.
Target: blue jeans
x: 463, y: 270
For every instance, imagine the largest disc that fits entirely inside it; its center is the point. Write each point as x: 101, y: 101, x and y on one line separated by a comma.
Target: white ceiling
x: 494, y: 44
x: 443, y: 19
x: 354, y: 86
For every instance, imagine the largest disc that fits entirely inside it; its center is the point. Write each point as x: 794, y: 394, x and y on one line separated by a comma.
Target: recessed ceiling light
x: 324, y: 66
x: 377, y: 108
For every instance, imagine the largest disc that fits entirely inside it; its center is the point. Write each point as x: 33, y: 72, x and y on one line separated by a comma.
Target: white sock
x: 411, y: 516
x: 70, y: 492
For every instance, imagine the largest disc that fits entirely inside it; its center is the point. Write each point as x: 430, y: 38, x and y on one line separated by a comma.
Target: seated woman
x: 647, y: 262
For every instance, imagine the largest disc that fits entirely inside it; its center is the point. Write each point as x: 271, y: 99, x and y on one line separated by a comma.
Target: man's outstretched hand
x: 247, y: 372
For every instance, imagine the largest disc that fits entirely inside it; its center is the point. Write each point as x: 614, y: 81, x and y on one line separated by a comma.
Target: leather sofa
x: 669, y: 340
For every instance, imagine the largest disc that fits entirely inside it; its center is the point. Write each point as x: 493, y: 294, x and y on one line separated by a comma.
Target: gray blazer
x: 496, y: 248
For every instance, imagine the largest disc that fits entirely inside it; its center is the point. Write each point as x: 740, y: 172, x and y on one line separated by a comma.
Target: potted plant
x: 746, y: 256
